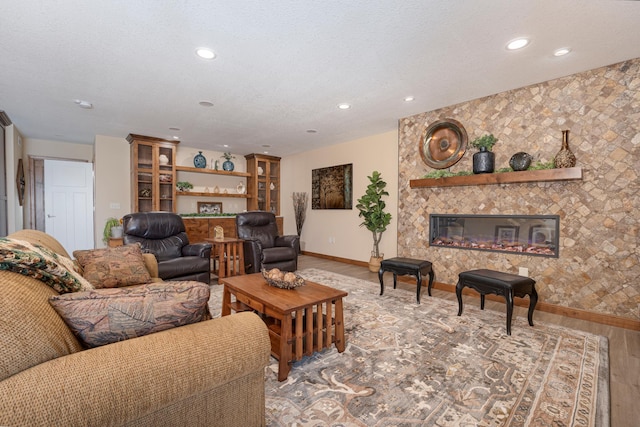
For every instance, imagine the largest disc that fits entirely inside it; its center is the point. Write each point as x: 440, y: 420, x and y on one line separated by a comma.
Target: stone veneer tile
x: 598, y: 267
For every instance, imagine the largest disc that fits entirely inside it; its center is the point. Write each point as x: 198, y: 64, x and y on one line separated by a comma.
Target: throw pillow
x: 104, y: 316
x: 113, y: 267
x: 36, y: 261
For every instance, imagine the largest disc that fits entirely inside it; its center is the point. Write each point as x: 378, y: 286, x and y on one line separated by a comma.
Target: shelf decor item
x: 228, y: 164
x: 484, y: 159
x: 520, y: 161
x: 241, y: 188
x: 199, y: 160
x: 565, y: 158
x: 184, y: 186
x: 163, y: 160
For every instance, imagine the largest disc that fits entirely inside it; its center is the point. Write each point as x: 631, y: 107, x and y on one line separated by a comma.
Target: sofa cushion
x: 113, y: 267
x: 103, y: 316
x: 36, y: 261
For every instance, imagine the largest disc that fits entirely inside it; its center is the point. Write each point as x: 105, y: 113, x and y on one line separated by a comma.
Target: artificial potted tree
x: 484, y: 159
x: 376, y: 220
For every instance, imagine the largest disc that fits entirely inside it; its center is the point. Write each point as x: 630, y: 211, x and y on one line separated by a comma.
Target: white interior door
x: 68, y: 203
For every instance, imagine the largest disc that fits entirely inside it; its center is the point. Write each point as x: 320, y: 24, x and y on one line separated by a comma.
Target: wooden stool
x: 498, y: 283
x: 406, y: 266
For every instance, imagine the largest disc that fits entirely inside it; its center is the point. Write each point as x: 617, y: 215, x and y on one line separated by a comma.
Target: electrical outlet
x: 523, y: 271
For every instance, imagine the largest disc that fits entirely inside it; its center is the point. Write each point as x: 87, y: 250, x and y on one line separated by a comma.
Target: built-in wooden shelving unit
x: 566, y: 174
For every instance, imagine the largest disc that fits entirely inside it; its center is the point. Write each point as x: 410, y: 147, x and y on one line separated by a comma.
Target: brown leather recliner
x: 263, y: 247
x: 163, y: 234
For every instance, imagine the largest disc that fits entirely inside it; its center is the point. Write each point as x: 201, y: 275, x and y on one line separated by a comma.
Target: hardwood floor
x: 624, y: 344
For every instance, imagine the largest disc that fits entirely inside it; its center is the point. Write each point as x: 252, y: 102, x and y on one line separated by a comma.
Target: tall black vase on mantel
x: 483, y: 161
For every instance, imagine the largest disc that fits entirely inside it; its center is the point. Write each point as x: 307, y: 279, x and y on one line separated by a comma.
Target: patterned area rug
x: 421, y: 365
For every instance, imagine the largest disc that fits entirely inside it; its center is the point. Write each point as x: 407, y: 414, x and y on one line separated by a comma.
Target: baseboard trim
x: 574, y: 313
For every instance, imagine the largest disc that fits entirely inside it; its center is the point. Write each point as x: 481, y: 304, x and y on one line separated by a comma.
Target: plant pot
x: 117, y: 232
x: 374, y: 262
x: 483, y: 161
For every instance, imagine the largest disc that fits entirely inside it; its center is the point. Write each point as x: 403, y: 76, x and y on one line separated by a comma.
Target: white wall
x: 377, y: 152
x: 112, y: 182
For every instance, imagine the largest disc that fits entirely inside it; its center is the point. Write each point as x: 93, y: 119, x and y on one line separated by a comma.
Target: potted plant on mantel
x: 484, y: 159
x: 376, y: 220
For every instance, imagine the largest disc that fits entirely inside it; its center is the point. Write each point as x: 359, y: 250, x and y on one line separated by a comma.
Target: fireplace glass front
x: 535, y: 235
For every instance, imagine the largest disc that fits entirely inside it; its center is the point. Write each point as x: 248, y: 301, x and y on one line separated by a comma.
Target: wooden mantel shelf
x: 566, y: 174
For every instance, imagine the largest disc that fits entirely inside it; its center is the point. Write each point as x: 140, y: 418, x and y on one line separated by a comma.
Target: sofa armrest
x: 291, y: 241
x: 252, y: 256
x: 203, y: 250
x: 151, y: 263
x: 121, y: 382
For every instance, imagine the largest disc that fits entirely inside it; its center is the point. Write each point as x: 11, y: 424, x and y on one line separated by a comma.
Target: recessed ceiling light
x: 176, y: 137
x: 409, y: 98
x: 265, y: 152
x: 225, y: 145
x: 206, y: 103
x: 562, y: 51
x: 312, y: 131
x: 205, y: 53
x: 518, y: 43
x: 344, y: 106
x: 83, y: 104
x: 174, y: 128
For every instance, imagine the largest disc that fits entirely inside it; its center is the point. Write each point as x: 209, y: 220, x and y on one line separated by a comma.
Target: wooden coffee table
x: 301, y: 321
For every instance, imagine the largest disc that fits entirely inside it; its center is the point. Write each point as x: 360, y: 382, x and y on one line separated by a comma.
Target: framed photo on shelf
x: 507, y: 234
x: 209, y: 207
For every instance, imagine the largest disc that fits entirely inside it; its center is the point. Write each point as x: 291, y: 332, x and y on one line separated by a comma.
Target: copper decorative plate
x: 443, y: 143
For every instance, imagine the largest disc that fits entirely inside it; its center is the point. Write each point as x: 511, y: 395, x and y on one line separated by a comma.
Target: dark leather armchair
x: 263, y: 247
x: 163, y: 234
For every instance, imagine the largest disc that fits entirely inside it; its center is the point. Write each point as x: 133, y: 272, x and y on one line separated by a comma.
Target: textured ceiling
x: 282, y: 67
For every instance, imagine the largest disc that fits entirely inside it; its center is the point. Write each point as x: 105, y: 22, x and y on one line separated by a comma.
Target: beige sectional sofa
x: 206, y: 373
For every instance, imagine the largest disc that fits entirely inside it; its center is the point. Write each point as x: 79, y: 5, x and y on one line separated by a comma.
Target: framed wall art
x: 332, y: 187
x: 20, y: 182
x: 209, y: 207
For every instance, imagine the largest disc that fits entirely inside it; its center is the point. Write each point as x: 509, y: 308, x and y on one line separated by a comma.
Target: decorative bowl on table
x: 281, y: 279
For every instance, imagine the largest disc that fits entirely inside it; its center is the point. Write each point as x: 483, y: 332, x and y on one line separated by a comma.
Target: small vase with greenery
x: 484, y: 159
x: 376, y: 220
x: 228, y: 164
x: 111, y: 222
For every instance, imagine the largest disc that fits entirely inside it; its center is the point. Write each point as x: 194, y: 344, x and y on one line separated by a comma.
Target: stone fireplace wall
x: 598, y: 269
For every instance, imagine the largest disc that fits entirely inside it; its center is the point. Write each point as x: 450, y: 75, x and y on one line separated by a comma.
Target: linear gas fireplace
x: 535, y: 235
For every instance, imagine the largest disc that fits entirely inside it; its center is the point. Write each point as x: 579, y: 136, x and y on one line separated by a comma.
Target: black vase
x: 483, y: 161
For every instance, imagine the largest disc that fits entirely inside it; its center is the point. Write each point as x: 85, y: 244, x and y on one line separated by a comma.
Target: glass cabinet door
x: 274, y: 187
x: 264, y: 184
x: 153, y: 174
